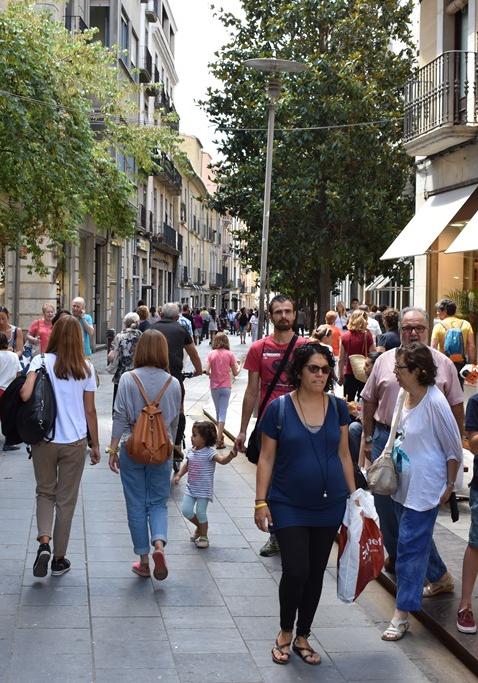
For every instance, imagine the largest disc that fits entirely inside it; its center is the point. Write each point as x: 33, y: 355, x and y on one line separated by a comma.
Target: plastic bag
x: 361, y: 556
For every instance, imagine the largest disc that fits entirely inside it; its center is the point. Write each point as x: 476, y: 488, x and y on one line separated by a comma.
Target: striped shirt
x: 201, y: 468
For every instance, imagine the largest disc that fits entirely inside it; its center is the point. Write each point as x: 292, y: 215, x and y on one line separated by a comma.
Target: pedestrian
x: 197, y: 318
x: 146, y: 488
x: 390, y: 339
x: 10, y: 368
x: 14, y: 334
x: 231, y: 317
x: 304, y: 477
x: 122, y: 349
x: 199, y: 464
x: 212, y: 325
x: 341, y: 316
x: 427, y: 454
x: 58, y: 464
x: 86, y: 322
x: 40, y: 330
x: 379, y: 397
x: 153, y: 315
x: 61, y: 313
x: 243, y: 321
x: 336, y: 333
x: 263, y: 361
x: 453, y: 336
x: 206, y: 319
x: 356, y: 437
x: 254, y: 325
x: 372, y: 325
x: 301, y: 320
x: 145, y: 322
x: 465, y: 621
x: 357, y: 340
x: 219, y: 365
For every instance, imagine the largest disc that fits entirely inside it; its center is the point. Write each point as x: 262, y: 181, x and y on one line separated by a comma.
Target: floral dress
x: 124, y: 344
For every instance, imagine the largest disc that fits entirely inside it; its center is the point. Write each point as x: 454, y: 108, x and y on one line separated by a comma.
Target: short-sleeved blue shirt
x: 306, y: 465
x: 471, y: 425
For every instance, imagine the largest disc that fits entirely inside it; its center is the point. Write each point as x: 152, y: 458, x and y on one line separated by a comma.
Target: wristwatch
x: 368, y: 439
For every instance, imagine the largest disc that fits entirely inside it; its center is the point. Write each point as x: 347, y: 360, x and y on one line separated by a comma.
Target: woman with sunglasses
x: 304, y: 477
x: 427, y: 454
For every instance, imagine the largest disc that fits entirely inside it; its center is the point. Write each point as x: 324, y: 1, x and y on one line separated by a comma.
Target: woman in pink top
x: 219, y: 363
x: 40, y: 330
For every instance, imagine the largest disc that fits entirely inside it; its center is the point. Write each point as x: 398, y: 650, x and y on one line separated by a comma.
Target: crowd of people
x: 311, y: 441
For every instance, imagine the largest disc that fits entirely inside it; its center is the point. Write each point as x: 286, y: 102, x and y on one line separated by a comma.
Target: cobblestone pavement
x: 213, y: 619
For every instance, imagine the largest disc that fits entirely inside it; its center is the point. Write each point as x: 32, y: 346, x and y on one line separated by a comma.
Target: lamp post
x: 274, y: 67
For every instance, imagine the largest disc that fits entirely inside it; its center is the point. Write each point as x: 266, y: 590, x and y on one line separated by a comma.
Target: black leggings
x: 305, y: 552
x: 352, y: 387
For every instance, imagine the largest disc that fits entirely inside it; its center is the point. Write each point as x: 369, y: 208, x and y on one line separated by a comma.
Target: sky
x: 199, y: 36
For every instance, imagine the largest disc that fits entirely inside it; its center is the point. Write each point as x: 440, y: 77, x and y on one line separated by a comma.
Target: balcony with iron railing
x: 145, y: 65
x: 170, y: 236
x: 440, y: 104
x: 152, y: 11
x: 167, y: 173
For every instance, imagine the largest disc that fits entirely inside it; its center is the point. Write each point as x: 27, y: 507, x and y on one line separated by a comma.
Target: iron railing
x: 170, y: 235
x: 441, y: 93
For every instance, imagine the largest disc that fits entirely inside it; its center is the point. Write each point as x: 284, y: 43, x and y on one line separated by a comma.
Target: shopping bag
x: 360, y: 557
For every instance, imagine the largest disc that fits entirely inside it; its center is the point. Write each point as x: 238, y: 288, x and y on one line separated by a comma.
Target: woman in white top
x: 342, y: 317
x: 427, y: 454
x: 58, y: 464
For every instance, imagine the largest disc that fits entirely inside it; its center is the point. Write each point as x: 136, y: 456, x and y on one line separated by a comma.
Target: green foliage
x: 339, y: 195
x: 55, y: 171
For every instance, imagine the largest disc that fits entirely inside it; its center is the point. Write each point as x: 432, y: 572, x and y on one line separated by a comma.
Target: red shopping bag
x: 361, y: 556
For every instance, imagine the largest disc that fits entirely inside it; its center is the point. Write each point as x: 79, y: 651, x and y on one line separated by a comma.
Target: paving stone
x: 350, y: 639
x: 375, y: 666
x: 108, y: 540
x: 131, y: 587
x: 53, y: 617
x: 131, y: 654
x: 246, y: 587
x: 74, y: 667
x: 12, y: 551
x: 122, y: 607
x: 37, y: 642
x: 8, y: 604
x: 47, y: 593
x: 121, y: 569
x: 10, y: 585
x: 139, y: 675
x: 220, y: 668
x: 197, y: 617
x: 128, y: 628
x: 257, y: 606
x: 238, y: 570
x: 206, y: 640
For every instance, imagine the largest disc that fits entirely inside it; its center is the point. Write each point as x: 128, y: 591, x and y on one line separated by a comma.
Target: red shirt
x: 39, y: 328
x: 264, y: 357
x: 355, y: 342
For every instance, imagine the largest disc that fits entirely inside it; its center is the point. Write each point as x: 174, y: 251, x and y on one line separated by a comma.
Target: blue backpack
x: 454, y: 346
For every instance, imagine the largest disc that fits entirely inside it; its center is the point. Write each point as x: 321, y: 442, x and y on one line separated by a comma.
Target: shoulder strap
x: 139, y: 384
x: 279, y: 372
x: 161, y: 393
x: 281, y: 411
x: 395, y: 420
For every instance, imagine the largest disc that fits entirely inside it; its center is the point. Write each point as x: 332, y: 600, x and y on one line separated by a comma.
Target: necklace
x: 308, y: 428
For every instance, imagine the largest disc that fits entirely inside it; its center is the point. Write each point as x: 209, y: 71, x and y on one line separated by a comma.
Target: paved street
x: 213, y: 619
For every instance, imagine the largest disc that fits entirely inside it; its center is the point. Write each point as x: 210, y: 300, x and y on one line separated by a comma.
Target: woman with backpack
x: 146, y: 487
x: 58, y: 464
x: 120, y: 358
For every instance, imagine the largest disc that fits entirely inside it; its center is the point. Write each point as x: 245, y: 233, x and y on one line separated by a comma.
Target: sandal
x: 160, y: 571
x: 396, y: 631
x: 278, y: 647
x: 304, y: 653
x: 141, y: 569
x: 220, y: 445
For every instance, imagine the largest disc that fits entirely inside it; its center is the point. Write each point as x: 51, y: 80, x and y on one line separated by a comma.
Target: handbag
x: 357, y: 362
x: 253, y: 446
x: 381, y: 475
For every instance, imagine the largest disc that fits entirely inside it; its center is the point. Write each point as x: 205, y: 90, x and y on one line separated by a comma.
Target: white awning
x: 429, y: 221
x: 384, y: 283
x: 467, y: 240
x: 373, y: 285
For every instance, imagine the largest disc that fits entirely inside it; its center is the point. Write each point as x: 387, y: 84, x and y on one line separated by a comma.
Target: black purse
x: 254, y: 444
x: 36, y: 417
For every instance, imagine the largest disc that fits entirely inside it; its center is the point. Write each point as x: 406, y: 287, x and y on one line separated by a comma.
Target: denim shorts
x: 473, y: 537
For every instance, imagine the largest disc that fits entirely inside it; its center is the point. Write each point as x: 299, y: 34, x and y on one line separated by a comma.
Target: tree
x: 339, y: 187
x: 55, y: 170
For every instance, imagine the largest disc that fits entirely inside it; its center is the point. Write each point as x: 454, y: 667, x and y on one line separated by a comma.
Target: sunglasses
x: 316, y: 369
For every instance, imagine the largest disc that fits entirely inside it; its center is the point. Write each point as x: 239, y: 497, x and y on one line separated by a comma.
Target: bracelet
x: 111, y: 451
x: 261, y: 505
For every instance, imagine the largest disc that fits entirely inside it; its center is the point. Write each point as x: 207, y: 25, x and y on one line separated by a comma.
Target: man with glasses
x: 262, y: 362
x: 379, y: 397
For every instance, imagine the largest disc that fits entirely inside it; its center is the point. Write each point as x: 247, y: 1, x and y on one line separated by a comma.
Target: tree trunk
x: 324, y: 291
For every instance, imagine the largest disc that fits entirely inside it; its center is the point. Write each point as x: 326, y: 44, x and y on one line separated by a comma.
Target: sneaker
x: 445, y: 584
x: 59, y: 567
x: 465, y: 621
x: 202, y: 542
x: 270, y: 548
x: 40, y: 566
x: 10, y: 447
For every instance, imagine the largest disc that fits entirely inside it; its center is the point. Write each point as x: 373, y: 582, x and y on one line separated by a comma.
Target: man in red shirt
x: 262, y: 361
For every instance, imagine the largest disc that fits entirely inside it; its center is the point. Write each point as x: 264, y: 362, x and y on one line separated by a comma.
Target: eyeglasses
x: 400, y: 367
x: 315, y: 369
x: 419, y: 329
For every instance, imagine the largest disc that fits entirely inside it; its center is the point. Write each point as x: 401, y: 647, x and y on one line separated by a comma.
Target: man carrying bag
x: 266, y: 363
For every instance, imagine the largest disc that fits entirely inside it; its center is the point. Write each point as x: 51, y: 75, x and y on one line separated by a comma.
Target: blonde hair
x: 143, y: 312
x: 221, y: 341
x: 357, y: 321
x: 330, y: 317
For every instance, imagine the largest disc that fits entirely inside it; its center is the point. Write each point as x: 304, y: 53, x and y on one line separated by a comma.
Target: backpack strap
x: 161, y: 393
x: 143, y: 393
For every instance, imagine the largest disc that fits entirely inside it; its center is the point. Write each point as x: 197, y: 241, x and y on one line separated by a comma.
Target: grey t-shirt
x: 129, y: 402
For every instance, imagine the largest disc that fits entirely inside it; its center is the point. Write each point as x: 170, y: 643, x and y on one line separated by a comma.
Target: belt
x: 382, y: 424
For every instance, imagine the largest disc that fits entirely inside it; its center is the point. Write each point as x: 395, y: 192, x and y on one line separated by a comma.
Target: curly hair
x: 220, y: 341
x: 357, y: 321
x: 301, y: 356
x: 207, y: 431
x: 390, y: 318
x: 418, y: 355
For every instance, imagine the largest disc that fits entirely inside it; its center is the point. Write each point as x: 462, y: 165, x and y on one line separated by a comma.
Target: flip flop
x: 141, y: 569
x: 304, y: 653
x: 395, y: 631
x: 275, y: 659
x: 160, y: 571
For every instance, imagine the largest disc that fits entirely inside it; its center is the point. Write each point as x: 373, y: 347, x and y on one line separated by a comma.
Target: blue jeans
x: 188, y: 505
x: 146, y: 490
x: 384, y: 504
x: 417, y: 556
x: 355, y: 436
x: 221, y: 398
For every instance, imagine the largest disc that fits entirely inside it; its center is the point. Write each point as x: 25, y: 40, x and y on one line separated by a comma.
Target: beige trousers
x: 58, y: 468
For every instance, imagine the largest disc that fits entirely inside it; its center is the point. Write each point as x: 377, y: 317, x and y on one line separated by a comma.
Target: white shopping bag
x: 361, y: 557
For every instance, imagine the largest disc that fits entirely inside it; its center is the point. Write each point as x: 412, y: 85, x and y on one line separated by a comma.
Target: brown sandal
x: 304, y: 653
x: 275, y: 659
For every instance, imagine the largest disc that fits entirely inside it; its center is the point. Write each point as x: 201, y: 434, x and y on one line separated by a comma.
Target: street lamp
x: 274, y: 67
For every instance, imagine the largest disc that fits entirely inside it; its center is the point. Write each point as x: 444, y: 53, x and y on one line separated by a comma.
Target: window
x: 100, y: 19
x: 124, y: 33
x: 134, y: 50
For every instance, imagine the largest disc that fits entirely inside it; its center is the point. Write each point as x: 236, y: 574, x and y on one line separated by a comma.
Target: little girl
x: 200, y: 463
x: 219, y: 365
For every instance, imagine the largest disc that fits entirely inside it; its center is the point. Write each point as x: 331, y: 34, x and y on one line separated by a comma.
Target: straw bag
x: 381, y: 475
x: 357, y: 362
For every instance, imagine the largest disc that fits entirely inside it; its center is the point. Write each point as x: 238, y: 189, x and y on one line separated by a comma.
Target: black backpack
x: 36, y: 417
x: 10, y: 403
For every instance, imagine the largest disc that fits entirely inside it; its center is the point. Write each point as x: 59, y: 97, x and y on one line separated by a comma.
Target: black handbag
x: 36, y: 417
x: 254, y: 444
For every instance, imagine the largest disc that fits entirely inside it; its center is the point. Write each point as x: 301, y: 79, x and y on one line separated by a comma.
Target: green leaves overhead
x: 339, y: 194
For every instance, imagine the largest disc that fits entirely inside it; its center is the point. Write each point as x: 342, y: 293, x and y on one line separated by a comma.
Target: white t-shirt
x: 70, y: 420
x: 9, y: 366
x: 373, y: 327
x: 427, y: 437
